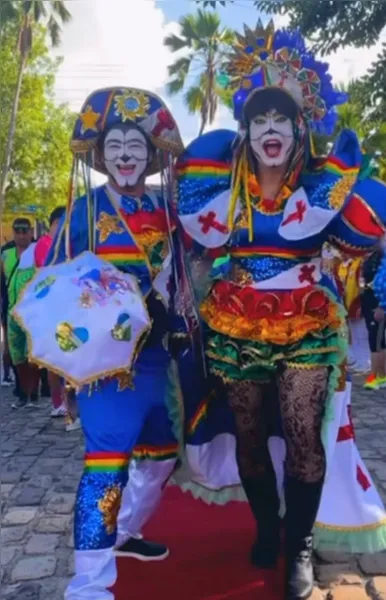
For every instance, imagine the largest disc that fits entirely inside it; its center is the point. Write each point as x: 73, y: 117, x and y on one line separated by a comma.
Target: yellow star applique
x: 89, y: 119
x: 108, y: 224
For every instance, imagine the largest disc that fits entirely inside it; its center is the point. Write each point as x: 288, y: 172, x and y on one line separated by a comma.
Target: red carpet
x: 208, y: 556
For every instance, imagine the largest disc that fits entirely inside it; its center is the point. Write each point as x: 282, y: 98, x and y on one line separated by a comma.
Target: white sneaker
x: 74, y: 426
x: 58, y: 412
x: 6, y: 382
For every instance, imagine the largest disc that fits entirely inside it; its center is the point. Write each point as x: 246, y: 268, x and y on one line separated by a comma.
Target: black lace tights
x: 302, y: 395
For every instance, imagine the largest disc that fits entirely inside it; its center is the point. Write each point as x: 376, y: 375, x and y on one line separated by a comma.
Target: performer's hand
x: 177, y: 344
x: 379, y: 314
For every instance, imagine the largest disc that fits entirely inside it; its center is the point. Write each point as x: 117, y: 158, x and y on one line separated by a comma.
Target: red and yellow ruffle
x: 280, y: 317
x: 149, y: 228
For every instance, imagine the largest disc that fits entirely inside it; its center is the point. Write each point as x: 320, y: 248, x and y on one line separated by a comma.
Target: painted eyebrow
x: 114, y: 141
x: 139, y: 142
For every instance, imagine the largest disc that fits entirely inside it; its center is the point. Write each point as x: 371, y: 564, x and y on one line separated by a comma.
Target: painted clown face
x: 272, y: 138
x: 126, y: 155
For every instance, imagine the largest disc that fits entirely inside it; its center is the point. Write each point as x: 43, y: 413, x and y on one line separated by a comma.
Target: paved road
x: 41, y: 465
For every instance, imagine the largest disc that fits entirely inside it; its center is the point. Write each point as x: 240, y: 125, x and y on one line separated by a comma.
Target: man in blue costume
x: 126, y: 134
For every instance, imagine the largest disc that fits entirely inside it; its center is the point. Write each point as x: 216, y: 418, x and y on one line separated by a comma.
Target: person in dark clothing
x: 375, y: 319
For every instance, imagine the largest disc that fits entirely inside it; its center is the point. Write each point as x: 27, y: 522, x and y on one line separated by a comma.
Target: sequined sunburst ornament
x: 241, y: 276
x: 89, y: 119
x: 132, y: 105
x: 254, y: 47
x: 108, y: 224
x: 340, y: 190
x: 109, y: 506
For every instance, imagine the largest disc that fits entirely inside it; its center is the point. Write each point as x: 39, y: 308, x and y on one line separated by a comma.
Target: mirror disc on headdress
x: 310, y: 81
x: 289, y: 60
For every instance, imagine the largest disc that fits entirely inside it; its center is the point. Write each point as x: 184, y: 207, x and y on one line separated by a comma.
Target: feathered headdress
x: 264, y: 58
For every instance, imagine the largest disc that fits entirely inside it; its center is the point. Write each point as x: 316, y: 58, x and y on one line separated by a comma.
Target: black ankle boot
x: 264, y: 502
x: 302, y: 500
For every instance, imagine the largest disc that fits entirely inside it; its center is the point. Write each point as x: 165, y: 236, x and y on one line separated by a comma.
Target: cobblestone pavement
x: 40, y: 469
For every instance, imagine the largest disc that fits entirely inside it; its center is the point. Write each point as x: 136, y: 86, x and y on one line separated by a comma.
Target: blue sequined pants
x: 112, y: 422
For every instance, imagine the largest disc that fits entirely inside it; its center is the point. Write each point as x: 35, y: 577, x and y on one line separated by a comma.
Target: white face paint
x: 272, y: 138
x: 125, y: 156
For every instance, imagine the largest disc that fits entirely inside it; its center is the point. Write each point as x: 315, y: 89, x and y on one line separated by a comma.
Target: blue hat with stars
x: 116, y: 106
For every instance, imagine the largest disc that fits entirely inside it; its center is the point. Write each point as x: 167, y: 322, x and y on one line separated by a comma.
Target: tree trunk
x: 202, y: 126
x: 11, y: 131
x: 209, y: 90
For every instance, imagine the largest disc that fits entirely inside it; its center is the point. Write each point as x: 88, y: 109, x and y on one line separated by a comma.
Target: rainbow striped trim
x: 145, y: 451
x: 240, y: 252
x: 203, y: 168
x: 106, y: 462
x: 119, y: 255
x: 200, y: 414
x: 336, y: 166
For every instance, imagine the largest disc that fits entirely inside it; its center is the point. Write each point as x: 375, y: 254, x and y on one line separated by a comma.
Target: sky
x: 120, y: 43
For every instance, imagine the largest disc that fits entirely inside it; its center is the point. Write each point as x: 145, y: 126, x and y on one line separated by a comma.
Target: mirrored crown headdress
x: 263, y: 58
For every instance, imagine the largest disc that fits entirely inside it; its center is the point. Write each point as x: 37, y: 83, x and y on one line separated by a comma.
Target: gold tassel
x: 70, y: 203
x: 235, y: 193
x: 248, y: 202
x: 312, y: 145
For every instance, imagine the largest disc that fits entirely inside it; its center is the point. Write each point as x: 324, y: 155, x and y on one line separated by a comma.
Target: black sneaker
x: 142, y: 550
x: 19, y: 403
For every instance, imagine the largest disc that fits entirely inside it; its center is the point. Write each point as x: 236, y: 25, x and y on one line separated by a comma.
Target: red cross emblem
x: 209, y: 222
x: 297, y: 215
x: 347, y: 431
x: 306, y: 274
x: 362, y: 479
x: 164, y: 121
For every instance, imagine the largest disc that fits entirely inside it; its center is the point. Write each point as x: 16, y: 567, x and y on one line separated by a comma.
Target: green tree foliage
x: 212, y: 3
x: 41, y: 159
x: 202, y: 42
x: 370, y: 129
x: 54, y: 12
x: 25, y: 14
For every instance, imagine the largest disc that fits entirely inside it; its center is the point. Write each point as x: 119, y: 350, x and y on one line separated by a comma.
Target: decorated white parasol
x: 84, y: 319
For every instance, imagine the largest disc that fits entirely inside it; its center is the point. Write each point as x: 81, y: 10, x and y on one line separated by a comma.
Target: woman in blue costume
x: 272, y: 316
x: 126, y: 134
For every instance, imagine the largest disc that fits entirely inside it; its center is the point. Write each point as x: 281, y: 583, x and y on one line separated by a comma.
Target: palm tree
x: 26, y: 13
x: 205, y: 44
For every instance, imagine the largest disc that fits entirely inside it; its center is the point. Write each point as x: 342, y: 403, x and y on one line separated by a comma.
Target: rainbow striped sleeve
x: 199, y: 181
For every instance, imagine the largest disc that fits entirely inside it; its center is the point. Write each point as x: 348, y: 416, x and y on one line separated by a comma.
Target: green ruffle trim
x: 218, y: 497
x: 366, y: 541
x: 251, y: 360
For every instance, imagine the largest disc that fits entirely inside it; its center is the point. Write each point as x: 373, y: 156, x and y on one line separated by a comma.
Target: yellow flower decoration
x: 109, y: 506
